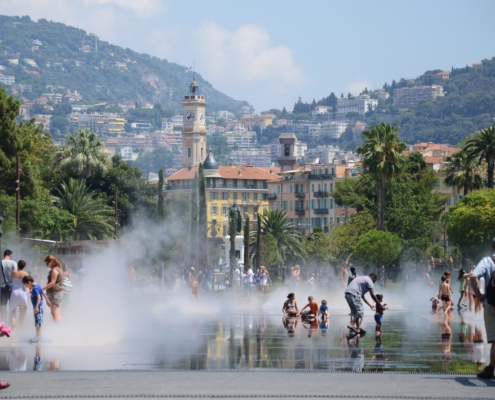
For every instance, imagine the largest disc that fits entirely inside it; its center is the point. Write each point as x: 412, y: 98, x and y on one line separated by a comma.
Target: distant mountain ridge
x: 67, y: 56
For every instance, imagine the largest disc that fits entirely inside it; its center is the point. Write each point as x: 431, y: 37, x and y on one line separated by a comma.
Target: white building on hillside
x: 360, y: 104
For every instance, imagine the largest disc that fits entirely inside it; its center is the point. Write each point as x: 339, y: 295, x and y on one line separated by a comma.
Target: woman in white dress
x: 19, y: 298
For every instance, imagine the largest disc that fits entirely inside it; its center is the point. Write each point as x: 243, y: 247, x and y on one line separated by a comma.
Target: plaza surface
x: 253, y: 354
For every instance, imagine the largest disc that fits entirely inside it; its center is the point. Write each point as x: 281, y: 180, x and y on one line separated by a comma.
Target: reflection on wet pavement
x: 410, y: 342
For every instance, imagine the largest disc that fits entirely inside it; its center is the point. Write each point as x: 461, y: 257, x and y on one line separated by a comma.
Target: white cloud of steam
x: 245, y: 56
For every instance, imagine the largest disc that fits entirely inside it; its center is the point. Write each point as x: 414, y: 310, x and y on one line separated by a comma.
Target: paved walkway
x: 261, y: 385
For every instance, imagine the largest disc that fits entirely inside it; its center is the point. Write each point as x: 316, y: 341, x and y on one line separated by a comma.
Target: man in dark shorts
x: 354, y: 295
x: 8, y: 265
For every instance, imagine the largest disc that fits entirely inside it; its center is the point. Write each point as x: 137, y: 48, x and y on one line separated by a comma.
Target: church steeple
x: 194, y: 127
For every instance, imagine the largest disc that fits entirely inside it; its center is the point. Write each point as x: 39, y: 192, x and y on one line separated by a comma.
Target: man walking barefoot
x: 355, y: 291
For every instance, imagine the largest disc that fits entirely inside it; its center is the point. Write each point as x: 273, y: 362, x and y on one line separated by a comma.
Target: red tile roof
x: 228, y: 172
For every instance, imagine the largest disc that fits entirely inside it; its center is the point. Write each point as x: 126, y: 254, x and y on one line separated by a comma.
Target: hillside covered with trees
x: 97, y: 70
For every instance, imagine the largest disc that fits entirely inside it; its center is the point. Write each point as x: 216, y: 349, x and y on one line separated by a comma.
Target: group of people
x: 18, y: 288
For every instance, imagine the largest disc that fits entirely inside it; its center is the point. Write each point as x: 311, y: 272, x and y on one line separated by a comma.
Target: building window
x: 245, y: 196
x: 307, y: 204
x: 290, y: 189
x: 225, y: 195
x: 313, y: 204
x: 224, y: 183
x: 331, y: 187
x: 285, y: 189
x: 213, y: 195
x: 235, y: 196
x: 189, y: 152
x: 224, y: 209
x: 234, y: 183
x: 245, y: 210
x: 255, y: 195
x: 214, y: 209
x: 245, y: 184
x: 272, y: 205
x: 313, y: 187
x: 284, y: 205
x: 278, y: 189
x: 331, y: 204
x: 278, y: 205
x: 255, y: 211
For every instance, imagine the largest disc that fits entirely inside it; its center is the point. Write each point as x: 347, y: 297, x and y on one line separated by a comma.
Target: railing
x: 320, y: 193
x: 300, y: 195
x: 321, y: 176
x: 300, y: 211
x: 321, y: 211
x: 271, y: 196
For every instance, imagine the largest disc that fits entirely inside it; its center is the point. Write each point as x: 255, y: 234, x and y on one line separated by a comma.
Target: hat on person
x: 193, y: 268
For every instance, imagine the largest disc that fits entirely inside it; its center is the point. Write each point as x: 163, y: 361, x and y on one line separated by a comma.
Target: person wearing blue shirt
x: 485, y: 269
x: 37, y: 300
x: 324, y: 310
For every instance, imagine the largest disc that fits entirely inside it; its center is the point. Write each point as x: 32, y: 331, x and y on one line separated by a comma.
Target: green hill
x: 67, y: 57
x: 467, y: 106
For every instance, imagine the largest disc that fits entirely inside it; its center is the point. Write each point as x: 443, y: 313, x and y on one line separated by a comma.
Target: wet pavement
x: 411, y: 342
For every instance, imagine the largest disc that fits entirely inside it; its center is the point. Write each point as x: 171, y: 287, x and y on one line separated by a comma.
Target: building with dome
x: 244, y: 185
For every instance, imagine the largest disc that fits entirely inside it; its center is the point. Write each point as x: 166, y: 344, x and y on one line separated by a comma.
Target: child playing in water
x: 434, y: 304
x: 194, y: 289
x: 444, y: 294
x: 324, y: 310
x: 313, y: 309
x: 37, y: 300
x: 380, y: 308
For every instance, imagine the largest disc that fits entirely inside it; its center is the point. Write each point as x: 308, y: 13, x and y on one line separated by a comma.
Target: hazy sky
x: 270, y: 52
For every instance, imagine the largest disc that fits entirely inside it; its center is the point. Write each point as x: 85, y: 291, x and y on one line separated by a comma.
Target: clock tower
x: 193, y: 127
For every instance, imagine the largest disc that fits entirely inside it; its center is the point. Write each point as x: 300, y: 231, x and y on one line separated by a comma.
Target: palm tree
x: 214, y: 228
x: 462, y: 172
x: 289, y: 238
x: 415, y: 165
x: 383, y: 159
x: 481, y: 146
x: 83, y: 155
x: 93, y: 219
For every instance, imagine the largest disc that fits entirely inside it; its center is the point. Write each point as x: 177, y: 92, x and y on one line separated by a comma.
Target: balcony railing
x: 320, y: 193
x: 271, y: 196
x: 299, y: 211
x: 300, y: 195
x: 321, y: 176
x: 321, y: 211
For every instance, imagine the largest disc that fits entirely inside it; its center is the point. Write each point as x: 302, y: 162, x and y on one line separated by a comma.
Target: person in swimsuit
x: 19, y: 297
x: 444, y: 294
x: 344, y: 274
x: 290, y: 306
x: 290, y: 323
x: 195, y: 289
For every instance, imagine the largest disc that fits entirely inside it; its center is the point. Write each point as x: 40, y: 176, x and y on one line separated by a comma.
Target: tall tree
x: 462, y: 172
x: 193, y: 255
x: 258, y: 242
x: 202, y: 224
x: 382, y: 151
x: 83, y: 156
x: 246, y: 242
x: 481, y: 146
x: 232, y: 235
x: 161, y: 200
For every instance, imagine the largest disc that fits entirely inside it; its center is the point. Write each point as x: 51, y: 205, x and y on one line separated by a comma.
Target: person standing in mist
x: 8, y: 265
x: 54, y: 288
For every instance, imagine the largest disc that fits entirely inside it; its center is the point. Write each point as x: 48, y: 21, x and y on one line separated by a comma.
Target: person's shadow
x: 473, y: 381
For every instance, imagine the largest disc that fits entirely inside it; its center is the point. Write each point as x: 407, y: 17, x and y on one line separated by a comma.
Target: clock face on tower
x: 189, y: 117
x: 201, y: 117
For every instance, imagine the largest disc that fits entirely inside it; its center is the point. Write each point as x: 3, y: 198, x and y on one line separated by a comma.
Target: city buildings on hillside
x: 105, y: 124
x: 412, y: 96
x: 381, y: 94
x: 254, y: 157
x: 7, y: 80
x: 241, y: 138
x: 329, y: 154
x: 303, y: 193
x: 249, y: 121
x: 334, y: 129
x: 360, y: 104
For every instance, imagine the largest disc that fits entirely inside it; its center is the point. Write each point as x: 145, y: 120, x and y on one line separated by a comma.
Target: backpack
x: 490, y: 289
